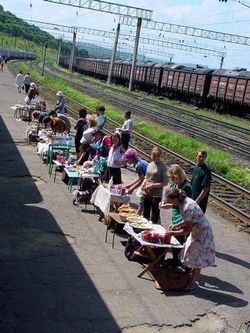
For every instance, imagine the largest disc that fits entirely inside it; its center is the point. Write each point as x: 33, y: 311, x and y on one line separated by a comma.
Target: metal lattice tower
x: 190, y: 31
x: 166, y: 42
x: 107, y: 7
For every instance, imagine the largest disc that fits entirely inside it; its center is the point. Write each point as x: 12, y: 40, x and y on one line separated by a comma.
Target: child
x: 114, y: 160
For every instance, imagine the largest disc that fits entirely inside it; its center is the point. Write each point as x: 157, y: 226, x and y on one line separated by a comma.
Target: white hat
x: 32, y: 85
x: 59, y: 93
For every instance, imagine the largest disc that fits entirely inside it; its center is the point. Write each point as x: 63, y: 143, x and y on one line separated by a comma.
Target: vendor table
x: 147, y: 247
x: 20, y: 110
x: 53, y: 149
x: 115, y: 219
x: 102, y: 198
x: 73, y: 177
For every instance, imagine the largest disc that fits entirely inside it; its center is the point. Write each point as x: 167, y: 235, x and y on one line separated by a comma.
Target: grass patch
x: 218, y: 161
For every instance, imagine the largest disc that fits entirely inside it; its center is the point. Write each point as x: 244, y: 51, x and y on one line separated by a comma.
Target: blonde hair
x: 175, y: 169
x: 91, y: 119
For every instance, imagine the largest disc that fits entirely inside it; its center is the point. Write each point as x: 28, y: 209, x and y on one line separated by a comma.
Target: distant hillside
x: 14, y: 26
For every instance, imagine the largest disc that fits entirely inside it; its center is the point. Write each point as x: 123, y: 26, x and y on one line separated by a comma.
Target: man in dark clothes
x: 201, y: 180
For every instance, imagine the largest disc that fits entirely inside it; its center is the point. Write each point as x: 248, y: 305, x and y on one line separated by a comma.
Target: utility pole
x: 221, y: 62
x: 44, y: 57
x: 137, y: 37
x: 59, y: 52
x: 113, y: 57
x: 71, y: 59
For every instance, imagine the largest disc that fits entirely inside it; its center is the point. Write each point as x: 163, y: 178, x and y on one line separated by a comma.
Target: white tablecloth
x: 157, y: 228
x: 102, y: 198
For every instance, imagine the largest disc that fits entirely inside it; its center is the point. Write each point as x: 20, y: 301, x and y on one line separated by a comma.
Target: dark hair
x: 118, y: 136
x: 202, y: 151
x: 173, y: 192
x: 52, y: 113
x: 82, y: 113
x: 127, y: 114
x: 101, y: 108
x: 46, y: 120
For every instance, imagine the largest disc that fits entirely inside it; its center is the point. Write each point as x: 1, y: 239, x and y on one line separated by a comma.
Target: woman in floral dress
x: 199, y: 251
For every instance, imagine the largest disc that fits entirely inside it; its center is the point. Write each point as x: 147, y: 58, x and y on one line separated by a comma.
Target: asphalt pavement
x: 58, y: 275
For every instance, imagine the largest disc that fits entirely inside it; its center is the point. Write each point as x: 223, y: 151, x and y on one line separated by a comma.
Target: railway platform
x: 58, y: 275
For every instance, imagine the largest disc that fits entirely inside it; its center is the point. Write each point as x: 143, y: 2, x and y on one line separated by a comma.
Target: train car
x: 64, y: 61
x: 230, y: 91
x: 117, y: 72
x: 126, y: 69
x: 102, y: 68
x: 17, y: 54
x: 140, y: 74
x: 154, y: 78
x: 187, y: 83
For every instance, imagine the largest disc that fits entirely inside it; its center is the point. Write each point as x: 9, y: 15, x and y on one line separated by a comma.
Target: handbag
x: 172, y: 279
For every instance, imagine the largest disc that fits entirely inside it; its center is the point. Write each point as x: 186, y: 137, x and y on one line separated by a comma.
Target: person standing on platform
x: 1, y: 63
x: 80, y: 127
x: 201, y: 180
x: 199, y: 250
x: 130, y: 156
x: 178, y: 180
x: 19, y: 81
x: 27, y: 81
x: 126, y: 129
x: 155, y: 179
x: 114, y: 160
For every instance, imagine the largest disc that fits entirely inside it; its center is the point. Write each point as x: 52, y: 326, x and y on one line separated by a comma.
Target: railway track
x: 233, y: 199
x: 228, y: 137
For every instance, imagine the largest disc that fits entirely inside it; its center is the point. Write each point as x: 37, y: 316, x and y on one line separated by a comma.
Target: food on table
x: 137, y: 219
x: 140, y: 225
x: 126, y: 209
x: 123, y: 206
x: 134, y: 214
x: 154, y: 237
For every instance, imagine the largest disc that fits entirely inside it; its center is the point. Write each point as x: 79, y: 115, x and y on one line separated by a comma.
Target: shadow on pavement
x: 233, y: 260
x: 43, y: 285
x: 212, y: 282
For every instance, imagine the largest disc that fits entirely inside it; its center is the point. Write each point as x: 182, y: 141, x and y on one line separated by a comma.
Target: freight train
x: 226, y: 91
x: 17, y: 54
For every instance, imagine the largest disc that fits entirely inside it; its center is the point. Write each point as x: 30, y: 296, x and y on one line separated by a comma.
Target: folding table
x: 147, y: 247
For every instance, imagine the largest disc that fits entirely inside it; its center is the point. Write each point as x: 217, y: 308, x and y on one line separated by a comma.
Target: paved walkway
x: 58, y: 275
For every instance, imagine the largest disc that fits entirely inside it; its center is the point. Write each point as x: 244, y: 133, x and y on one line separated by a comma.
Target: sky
x: 230, y: 17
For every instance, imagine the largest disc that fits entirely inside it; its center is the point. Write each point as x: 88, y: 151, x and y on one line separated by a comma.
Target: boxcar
x: 230, y: 90
x: 154, y: 77
x: 140, y: 73
x: 186, y: 82
x: 102, y: 68
x: 117, y: 72
x: 125, y: 74
x: 17, y: 54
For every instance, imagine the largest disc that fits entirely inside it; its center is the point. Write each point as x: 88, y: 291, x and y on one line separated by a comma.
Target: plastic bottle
x: 110, y: 183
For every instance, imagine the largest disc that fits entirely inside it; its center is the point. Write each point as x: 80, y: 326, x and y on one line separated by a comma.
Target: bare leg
x: 195, y: 276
